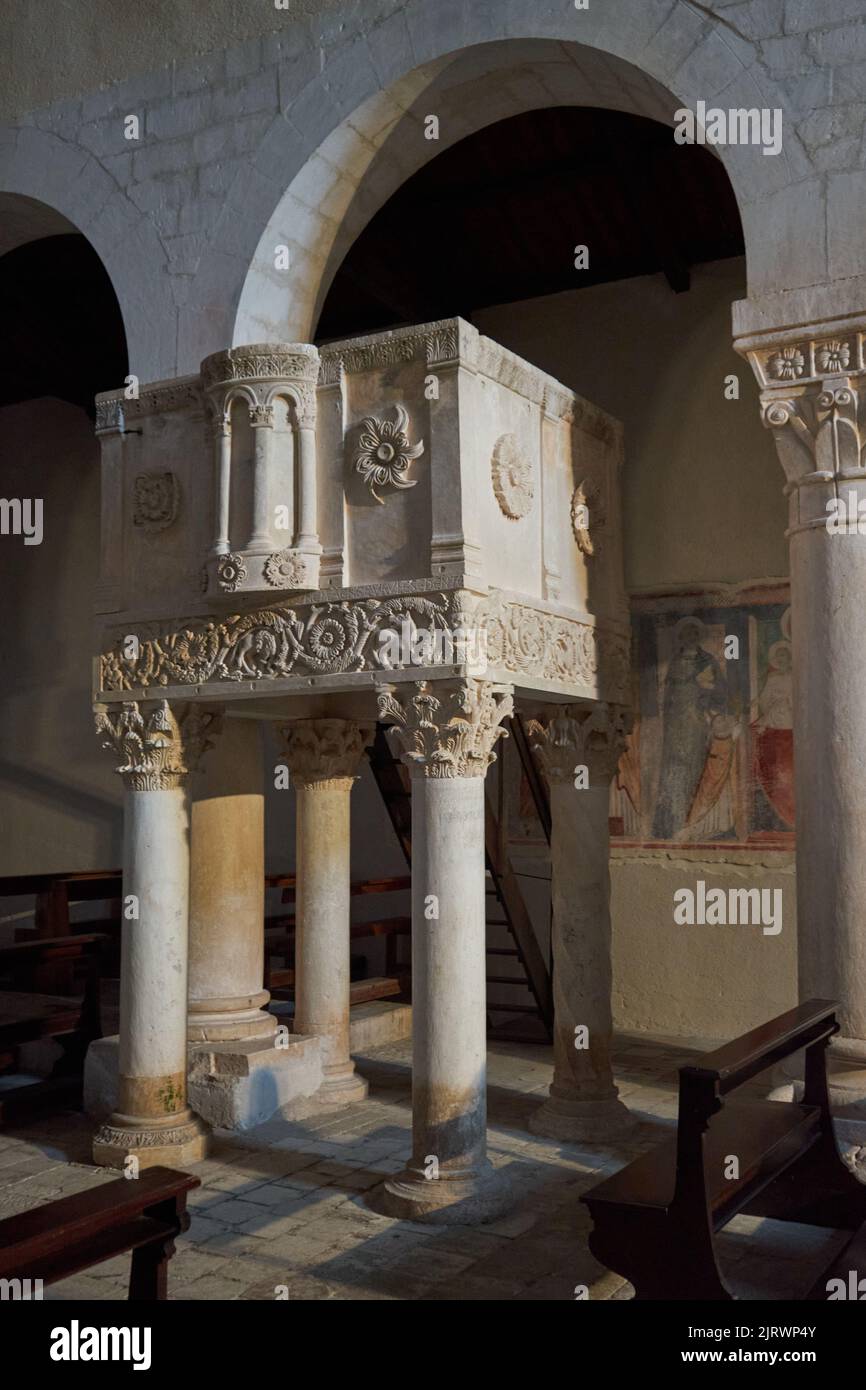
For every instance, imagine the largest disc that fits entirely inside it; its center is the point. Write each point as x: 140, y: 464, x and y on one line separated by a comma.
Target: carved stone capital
x: 257, y: 362
x: 158, y: 747
x: 813, y: 398
x: 325, y: 752
x: 446, y: 729
x: 573, y: 737
x: 261, y: 416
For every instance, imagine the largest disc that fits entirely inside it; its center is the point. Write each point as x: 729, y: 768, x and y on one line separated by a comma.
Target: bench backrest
x: 705, y: 1083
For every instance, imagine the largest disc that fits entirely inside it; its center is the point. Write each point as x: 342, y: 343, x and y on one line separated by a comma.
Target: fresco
x: 710, y: 759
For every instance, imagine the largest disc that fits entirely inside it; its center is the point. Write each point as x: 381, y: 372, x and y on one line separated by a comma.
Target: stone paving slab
x: 283, y: 1208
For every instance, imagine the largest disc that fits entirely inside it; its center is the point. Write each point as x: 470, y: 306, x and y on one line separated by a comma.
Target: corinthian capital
x: 157, y: 747
x: 322, y: 752
x: 446, y: 728
x: 813, y: 398
x: 573, y: 737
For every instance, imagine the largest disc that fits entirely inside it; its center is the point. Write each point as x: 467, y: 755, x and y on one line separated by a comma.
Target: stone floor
x: 282, y: 1209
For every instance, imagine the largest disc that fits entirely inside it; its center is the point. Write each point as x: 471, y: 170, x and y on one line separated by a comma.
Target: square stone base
x: 231, y: 1085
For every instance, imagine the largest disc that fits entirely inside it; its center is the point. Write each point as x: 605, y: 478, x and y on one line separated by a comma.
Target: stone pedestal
x: 227, y: 892
x: 579, y: 751
x: 813, y: 390
x: 445, y: 734
x: 324, y: 755
x: 157, y: 746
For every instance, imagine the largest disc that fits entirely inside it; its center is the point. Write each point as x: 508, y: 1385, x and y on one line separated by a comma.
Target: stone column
x: 445, y: 732
x: 323, y: 756
x: 579, y: 750
x: 813, y: 395
x: 156, y: 746
x: 308, y: 504
x: 227, y: 892
x: 222, y: 445
x: 261, y: 540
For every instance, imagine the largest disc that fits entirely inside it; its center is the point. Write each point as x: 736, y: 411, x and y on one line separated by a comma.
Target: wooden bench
x: 142, y: 1215
x: 655, y: 1220
x: 28, y: 1014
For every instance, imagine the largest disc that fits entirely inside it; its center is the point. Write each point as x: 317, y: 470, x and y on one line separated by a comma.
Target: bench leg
x: 148, y: 1277
x: 662, y: 1259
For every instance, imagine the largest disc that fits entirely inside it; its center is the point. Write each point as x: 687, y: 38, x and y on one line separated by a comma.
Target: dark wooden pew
x: 142, y: 1215
x: 655, y: 1220
x: 28, y: 1014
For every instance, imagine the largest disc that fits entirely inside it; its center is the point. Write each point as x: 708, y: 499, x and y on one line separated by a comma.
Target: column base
x: 462, y: 1200
x: 582, y: 1121
x: 231, y: 1020
x: 342, y: 1087
x: 174, y: 1143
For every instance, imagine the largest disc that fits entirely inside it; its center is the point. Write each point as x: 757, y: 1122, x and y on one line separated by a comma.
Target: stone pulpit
x: 416, y: 527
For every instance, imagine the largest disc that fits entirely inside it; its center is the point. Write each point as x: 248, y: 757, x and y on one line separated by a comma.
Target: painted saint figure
x: 773, y: 735
x: 695, y: 694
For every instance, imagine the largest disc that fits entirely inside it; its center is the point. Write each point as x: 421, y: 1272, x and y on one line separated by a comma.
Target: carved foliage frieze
x: 314, y: 639
x: 334, y: 638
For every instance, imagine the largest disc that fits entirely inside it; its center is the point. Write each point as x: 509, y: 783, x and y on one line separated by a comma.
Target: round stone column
x: 814, y: 400
x: 157, y: 746
x: 446, y: 733
x: 227, y: 891
x: 323, y: 756
x: 579, y: 750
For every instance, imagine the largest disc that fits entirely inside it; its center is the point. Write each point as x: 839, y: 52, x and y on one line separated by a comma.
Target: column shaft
x: 579, y: 752
x: 324, y: 755
x: 222, y: 481
x: 153, y: 975
x: 322, y: 942
x: 445, y: 732
x: 449, y: 1050
x: 308, y: 525
x: 227, y: 1000
x: 157, y: 748
x: 828, y: 582
x: 261, y: 540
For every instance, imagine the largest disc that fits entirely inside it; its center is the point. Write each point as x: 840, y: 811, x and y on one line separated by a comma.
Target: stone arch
x: 55, y: 186
x: 314, y: 185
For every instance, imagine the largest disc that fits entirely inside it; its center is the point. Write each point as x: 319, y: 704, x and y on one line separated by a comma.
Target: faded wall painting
x: 710, y: 758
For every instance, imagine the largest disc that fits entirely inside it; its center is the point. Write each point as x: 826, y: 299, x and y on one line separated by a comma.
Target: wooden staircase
x: 504, y: 896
